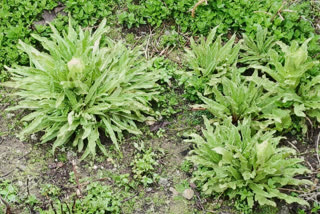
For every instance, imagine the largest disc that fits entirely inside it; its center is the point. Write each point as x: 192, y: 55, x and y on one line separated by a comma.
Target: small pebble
x: 34, y: 137
x: 10, y: 115
x: 188, y: 194
x: 174, y: 191
x: 163, y: 182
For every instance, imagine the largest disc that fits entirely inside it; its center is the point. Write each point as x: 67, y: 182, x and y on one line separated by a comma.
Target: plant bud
x: 76, y: 68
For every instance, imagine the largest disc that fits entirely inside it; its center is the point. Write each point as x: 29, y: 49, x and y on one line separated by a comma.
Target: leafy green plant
x: 99, y: 199
x: 296, y: 64
x: 167, y: 68
x: 230, y: 15
x: 79, y: 88
x: 88, y: 13
x: 50, y: 190
x: 151, y: 11
x: 124, y: 181
x: 130, y: 19
x: 300, y: 211
x: 182, y: 185
x: 247, y: 166
x: 242, y: 207
x: 293, y: 83
x: 237, y: 99
x: 210, y: 58
x: 17, y: 18
x: 167, y: 103
x: 309, y: 92
x: 255, y: 50
x: 186, y: 166
x: 315, y: 209
x: 31, y: 200
x: 167, y: 99
x: 192, y: 86
x: 8, y: 192
x: 172, y: 39
x: 143, y: 166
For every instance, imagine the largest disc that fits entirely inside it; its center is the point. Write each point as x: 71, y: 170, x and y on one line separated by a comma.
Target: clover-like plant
x: 76, y: 89
x: 210, y: 58
x: 255, y: 51
x: 250, y: 167
x: 237, y: 98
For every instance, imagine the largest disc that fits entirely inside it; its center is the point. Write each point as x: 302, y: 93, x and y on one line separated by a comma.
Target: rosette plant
x: 209, y: 59
x: 209, y: 56
x: 249, y: 167
x: 292, y: 80
x: 255, y: 50
x: 310, y: 95
x: 238, y: 98
x: 75, y: 89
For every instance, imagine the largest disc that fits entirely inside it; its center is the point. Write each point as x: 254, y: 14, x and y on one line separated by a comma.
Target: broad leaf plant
x: 209, y: 59
x: 76, y: 89
x: 237, y: 98
x: 255, y: 50
x: 247, y: 166
x: 291, y: 80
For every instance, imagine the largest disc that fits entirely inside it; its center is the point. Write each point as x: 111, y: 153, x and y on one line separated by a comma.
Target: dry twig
x: 99, y: 179
x: 8, y: 208
x: 279, y: 11
x: 291, y: 190
x: 76, y: 178
x: 164, y: 50
x: 197, y: 108
x: 291, y: 144
x: 317, y: 147
x: 129, y: 198
x: 284, y: 3
x: 198, y: 201
x: 146, y: 51
x: 309, y: 164
x: 8, y: 173
x: 311, y: 128
x: 193, y: 10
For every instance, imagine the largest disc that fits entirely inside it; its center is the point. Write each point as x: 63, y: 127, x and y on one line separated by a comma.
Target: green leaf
x: 299, y: 110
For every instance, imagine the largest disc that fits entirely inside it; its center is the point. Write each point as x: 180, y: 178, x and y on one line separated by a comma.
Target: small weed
x: 186, y: 166
x: 143, y: 165
x: 8, y: 192
x: 172, y: 39
x: 50, y: 190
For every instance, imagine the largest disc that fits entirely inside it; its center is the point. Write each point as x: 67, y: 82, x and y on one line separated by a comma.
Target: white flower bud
x: 76, y: 67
